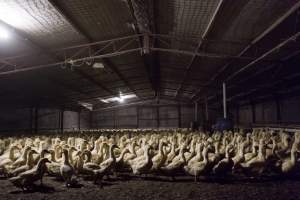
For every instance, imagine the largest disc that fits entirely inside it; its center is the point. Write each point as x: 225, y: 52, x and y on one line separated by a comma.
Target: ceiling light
x: 97, y: 65
x: 4, y: 34
x: 14, y: 14
x: 119, y: 99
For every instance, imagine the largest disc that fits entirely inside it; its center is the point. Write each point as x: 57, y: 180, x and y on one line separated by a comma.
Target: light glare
x: 3, y: 33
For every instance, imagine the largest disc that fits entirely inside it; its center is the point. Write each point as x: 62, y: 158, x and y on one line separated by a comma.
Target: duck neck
x: 97, y: 146
x: 25, y: 153
x: 261, y: 151
x: 147, y: 156
x: 52, y: 153
x: 111, y: 153
x: 122, y: 155
x: 29, y: 159
x: 182, y: 155
x: 227, y: 152
x: 132, y: 149
x: 43, y: 153
x: 57, y: 153
x: 88, y: 155
x: 101, y: 146
x: 204, y: 154
x: 40, y: 166
x: 216, y: 145
x: 198, y: 153
x: 241, y: 149
x: 66, y: 158
x: 12, y: 153
x: 173, y: 147
x: 160, y: 148
x: 253, y: 148
x: 294, y: 153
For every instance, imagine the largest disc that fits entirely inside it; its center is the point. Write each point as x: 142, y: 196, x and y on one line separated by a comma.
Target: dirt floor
x: 153, y: 188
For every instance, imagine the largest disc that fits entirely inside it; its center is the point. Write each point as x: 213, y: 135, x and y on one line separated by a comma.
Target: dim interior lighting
x: 4, y: 34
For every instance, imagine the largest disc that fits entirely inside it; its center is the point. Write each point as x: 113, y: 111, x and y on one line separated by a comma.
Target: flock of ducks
x: 95, y: 155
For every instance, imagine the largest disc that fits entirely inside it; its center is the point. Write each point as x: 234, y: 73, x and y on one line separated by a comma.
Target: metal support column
x: 30, y: 120
x: 79, y: 120
x: 137, y: 116
x: 90, y: 119
x: 179, y: 115
x: 253, y: 112
x: 206, y: 109
x: 61, y: 120
x: 36, y: 118
x: 238, y: 115
x: 224, y: 101
x: 157, y: 116
x: 115, y: 121
x: 278, y: 110
x: 196, y: 111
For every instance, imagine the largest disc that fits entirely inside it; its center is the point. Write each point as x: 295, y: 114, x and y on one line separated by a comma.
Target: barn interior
x: 215, y: 82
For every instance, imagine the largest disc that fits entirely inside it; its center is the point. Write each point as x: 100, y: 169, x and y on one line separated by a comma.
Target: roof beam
x: 92, y: 80
x: 114, y: 68
x: 280, y: 45
x: 145, y: 24
x: 292, y: 10
x: 203, y: 37
x: 24, y: 37
x: 89, y: 38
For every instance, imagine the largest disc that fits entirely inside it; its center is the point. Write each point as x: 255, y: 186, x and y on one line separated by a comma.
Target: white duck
x: 66, y: 169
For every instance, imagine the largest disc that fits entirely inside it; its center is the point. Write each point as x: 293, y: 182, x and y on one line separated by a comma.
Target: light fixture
x: 4, y: 34
x: 88, y: 106
x: 98, y: 65
x: 119, y: 99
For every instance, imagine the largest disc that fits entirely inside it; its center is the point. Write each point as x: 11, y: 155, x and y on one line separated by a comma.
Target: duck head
x: 44, y: 161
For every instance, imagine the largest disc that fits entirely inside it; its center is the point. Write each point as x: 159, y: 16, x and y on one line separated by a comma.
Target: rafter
x: 292, y: 10
x: 203, y: 37
x: 89, y: 38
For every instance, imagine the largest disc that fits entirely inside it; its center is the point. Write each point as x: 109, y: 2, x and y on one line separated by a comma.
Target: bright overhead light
x: 4, y: 34
x: 15, y: 14
x: 119, y: 99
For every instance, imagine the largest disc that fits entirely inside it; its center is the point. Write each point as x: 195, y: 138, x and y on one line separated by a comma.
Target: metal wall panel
x: 48, y: 119
x: 71, y: 120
